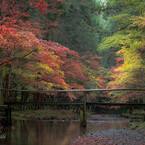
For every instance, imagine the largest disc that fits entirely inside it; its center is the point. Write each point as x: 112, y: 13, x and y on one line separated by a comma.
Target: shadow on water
x: 28, y: 132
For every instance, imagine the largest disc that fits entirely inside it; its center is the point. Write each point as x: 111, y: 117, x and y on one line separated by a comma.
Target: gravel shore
x: 112, y: 137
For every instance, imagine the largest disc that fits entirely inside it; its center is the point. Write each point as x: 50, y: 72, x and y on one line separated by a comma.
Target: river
x: 42, y: 132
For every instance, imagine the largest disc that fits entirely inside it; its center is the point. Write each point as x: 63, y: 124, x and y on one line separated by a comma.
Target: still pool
x: 41, y: 132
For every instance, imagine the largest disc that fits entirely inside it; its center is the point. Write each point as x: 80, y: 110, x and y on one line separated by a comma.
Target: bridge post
x: 8, y: 115
x: 1, y: 97
x: 83, y: 116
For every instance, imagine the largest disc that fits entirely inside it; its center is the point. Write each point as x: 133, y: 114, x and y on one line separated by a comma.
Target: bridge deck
x: 74, y: 103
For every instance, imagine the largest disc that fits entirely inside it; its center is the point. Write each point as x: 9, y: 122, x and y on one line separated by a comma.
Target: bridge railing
x: 82, y: 104
x: 77, y: 90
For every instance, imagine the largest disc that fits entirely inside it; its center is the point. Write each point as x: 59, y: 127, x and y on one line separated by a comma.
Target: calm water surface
x: 28, y: 132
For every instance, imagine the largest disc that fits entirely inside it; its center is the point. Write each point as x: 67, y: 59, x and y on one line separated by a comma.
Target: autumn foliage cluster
x: 32, y: 58
x: 29, y: 62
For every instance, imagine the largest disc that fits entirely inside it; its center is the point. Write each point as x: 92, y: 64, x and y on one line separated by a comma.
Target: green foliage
x: 77, y: 26
x: 128, y: 42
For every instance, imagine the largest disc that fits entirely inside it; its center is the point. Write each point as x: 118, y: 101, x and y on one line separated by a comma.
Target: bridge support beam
x: 83, y: 116
x: 1, y: 97
x: 5, y: 111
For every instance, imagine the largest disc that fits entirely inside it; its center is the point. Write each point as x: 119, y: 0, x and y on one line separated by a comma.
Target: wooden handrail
x: 76, y: 103
x: 75, y: 90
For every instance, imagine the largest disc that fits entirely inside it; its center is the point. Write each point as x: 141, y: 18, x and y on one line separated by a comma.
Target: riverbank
x: 136, y: 118
x: 49, y: 114
x: 112, y: 137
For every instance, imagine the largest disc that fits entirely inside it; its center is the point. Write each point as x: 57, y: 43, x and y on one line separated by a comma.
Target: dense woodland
x: 73, y: 44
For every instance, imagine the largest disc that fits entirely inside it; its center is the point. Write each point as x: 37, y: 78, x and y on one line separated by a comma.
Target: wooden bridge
x: 82, y: 105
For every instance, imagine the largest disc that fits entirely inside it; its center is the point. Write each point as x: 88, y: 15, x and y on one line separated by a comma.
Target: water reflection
x: 51, y: 132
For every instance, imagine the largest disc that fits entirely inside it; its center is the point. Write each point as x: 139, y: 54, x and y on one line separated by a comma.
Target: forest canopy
x: 73, y: 44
